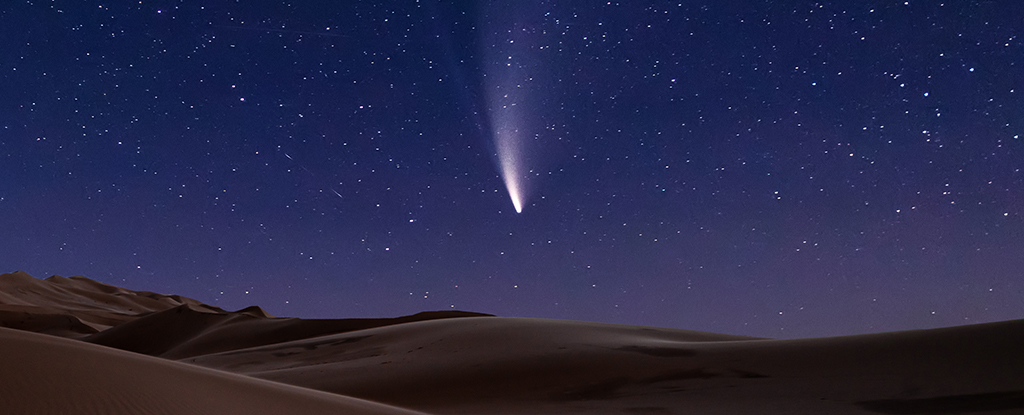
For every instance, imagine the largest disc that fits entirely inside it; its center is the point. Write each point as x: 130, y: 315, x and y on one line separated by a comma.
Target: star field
x: 766, y: 168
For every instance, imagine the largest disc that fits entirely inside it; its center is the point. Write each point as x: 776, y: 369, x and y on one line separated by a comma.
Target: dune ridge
x: 169, y: 326
x: 77, y: 306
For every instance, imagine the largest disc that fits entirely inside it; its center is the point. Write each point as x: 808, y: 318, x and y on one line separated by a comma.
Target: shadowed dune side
x: 156, y: 333
x: 513, y: 365
x: 242, y: 333
x: 185, y: 331
x: 50, y: 375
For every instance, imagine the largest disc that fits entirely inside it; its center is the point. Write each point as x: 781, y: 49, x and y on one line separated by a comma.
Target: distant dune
x: 128, y: 352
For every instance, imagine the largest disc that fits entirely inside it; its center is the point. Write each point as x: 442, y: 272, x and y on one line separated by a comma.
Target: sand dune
x: 550, y: 366
x: 186, y: 331
x: 213, y: 359
x: 50, y: 375
x: 169, y: 326
x: 77, y: 306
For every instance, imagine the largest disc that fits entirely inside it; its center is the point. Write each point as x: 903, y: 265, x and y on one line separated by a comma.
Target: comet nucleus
x: 510, y: 164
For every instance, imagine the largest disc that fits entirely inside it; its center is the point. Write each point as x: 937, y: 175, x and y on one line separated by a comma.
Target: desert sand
x: 127, y: 351
x: 51, y: 375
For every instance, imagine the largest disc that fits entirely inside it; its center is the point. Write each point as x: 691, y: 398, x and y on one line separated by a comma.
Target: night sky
x: 767, y: 168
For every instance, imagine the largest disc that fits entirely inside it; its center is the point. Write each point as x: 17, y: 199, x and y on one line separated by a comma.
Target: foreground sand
x: 215, y: 361
x: 50, y: 375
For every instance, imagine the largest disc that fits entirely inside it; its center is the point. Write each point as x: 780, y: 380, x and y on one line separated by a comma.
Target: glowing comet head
x: 510, y: 165
x: 514, y: 194
x: 512, y: 184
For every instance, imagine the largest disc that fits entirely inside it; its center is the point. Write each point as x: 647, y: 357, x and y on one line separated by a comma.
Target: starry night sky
x: 768, y: 168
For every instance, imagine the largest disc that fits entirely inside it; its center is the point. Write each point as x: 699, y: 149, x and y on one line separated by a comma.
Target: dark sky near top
x: 769, y: 168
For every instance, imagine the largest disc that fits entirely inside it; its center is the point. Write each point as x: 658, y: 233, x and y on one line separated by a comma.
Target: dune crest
x: 94, y: 304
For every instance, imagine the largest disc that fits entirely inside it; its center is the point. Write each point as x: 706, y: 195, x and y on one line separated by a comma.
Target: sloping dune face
x: 50, y: 375
x: 511, y: 365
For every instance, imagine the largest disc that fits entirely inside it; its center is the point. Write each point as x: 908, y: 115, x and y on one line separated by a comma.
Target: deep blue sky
x: 769, y: 168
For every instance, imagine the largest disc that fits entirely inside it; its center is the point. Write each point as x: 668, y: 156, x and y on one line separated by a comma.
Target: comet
x: 510, y: 165
x: 508, y: 143
x: 512, y: 93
